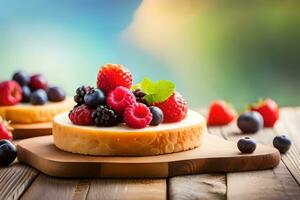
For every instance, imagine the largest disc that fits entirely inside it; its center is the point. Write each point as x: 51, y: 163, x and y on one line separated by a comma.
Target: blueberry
x: 94, y: 98
x: 246, y: 145
x: 26, y: 92
x: 56, y: 94
x: 157, y: 115
x: 282, y: 143
x: 250, y: 122
x: 8, y: 152
x: 21, y: 77
x: 38, y: 97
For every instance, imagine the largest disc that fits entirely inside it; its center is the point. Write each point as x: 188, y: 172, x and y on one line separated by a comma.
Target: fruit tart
x: 28, y: 99
x: 118, y: 119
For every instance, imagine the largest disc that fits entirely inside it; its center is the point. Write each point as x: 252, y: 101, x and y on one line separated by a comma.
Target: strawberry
x: 174, y: 108
x: 220, y: 113
x: 111, y: 76
x: 269, y: 110
x: 10, y: 93
x: 5, y: 130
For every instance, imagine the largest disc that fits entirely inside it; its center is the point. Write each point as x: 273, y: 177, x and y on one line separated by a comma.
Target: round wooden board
x: 22, y: 131
x: 215, y: 155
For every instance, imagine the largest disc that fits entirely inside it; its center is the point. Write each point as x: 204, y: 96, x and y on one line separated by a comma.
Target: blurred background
x: 234, y: 50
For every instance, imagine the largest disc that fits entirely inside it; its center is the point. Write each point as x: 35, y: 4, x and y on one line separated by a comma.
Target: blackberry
x: 140, y: 96
x: 80, y: 93
x: 105, y: 116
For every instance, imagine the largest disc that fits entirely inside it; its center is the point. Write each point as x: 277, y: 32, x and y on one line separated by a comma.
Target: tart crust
x: 124, y: 141
x: 28, y: 114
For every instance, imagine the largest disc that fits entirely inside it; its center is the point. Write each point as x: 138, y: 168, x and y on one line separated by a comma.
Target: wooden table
x: 19, y: 181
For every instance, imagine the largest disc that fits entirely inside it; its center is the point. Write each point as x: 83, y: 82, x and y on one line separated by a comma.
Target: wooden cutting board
x: 22, y: 131
x: 215, y: 155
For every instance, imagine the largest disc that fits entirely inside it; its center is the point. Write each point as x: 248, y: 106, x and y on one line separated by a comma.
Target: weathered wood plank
x: 127, y: 189
x: 203, y: 186
x: 15, y: 179
x: 48, y: 188
x: 290, y: 127
x: 267, y: 184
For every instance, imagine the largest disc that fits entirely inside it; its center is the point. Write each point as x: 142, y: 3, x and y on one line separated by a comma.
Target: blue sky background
x: 210, y: 49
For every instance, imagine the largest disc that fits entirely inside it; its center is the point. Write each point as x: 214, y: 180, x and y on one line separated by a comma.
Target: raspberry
x: 10, y: 93
x: 111, y: 76
x: 81, y: 115
x: 174, y: 108
x: 5, y: 130
x: 137, y: 115
x: 120, y: 98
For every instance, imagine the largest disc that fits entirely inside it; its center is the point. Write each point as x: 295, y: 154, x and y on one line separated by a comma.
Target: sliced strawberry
x: 220, y: 113
x: 269, y: 110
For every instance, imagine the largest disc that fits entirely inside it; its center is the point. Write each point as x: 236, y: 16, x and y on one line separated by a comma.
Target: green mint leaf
x: 156, y: 92
x: 148, y: 86
x: 163, y: 90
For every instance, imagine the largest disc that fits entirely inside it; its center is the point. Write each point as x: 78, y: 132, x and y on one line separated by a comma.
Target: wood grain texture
x: 215, y: 155
x: 15, y: 179
x: 288, y: 127
x: 267, y: 184
x: 22, y: 131
x: 48, y: 188
x: 204, y: 186
x: 127, y: 189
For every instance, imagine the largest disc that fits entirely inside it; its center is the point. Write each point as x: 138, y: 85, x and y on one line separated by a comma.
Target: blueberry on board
x: 38, y: 97
x: 282, y: 143
x: 94, y: 98
x: 56, y: 94
x: 21, y: 77
x: 250, y: 122
x: 157, y: 115
x: 246, y: 145
x: 26, y: 93
x: 8, y: 152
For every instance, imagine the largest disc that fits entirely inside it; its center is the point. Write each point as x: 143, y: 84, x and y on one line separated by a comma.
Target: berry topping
x: 94, y: 98
x: 137, y: 115
x: 81, y: 115
x: 105, y: 116
x: 5, y: 130
x: 10, y: 93
x: 111, y: 76
x: 282, y: 143
x: 139, y: 96
x: 250, y: 122
x: 56, y: 94
x: 174, y: 108
x: 38, y: 97
x: 80, y: 93
x: 246, y: 145
x: 120, y: 98
x: 157, y: 115
x: 21, y: 77
x: 26, y: 93
x: 220, y: 113
x: 38, y: 81
x: 269, y: 110
x: 8, y: 152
